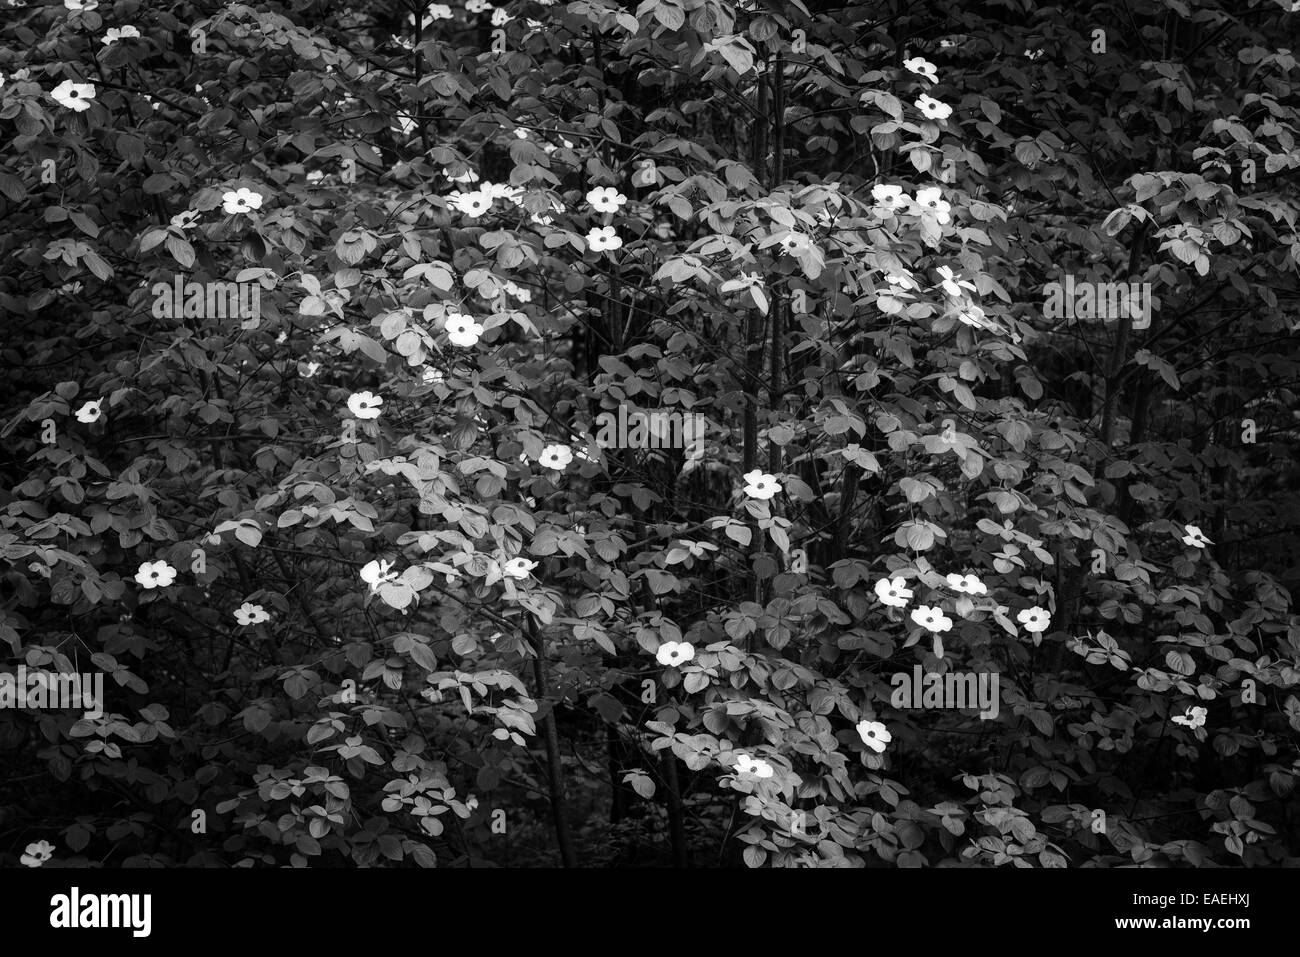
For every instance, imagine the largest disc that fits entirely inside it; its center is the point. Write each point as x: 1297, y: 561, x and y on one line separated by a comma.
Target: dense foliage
x: 410, y: 613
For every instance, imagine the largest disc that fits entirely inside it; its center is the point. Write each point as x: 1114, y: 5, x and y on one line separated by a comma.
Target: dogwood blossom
x: 242, y: 200
x: 675, y: 653
x: 874, y: 735
x: 760, y: 485
x: 922, y: 67
x: 73, y: 96
x: 365, y: 405
x: 462, y: 330
x: 1034, y: 619
x: 155, y: 574
x: 601, y: 238
x: 932, y: 109
x: 251, y: 614
x: 556, y: 457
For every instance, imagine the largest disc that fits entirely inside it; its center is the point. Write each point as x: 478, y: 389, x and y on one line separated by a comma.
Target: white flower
x: 755, y: 766
x: 889, y: 199
x: 605, y: 199
x: 518, y: 568
x: 931, y: 618
x: 40, y: 852
x: 523, y: 295
x: 309, y: 369
x: 502, y: 191
x: 967, y: 584
x: 405, y: 124
x: 377, y: 572
x: 187, y: 219
x: 365, y: 405
x: 473, y: 204
x: 155, y: 575
x: 795, y: 243
x: 922, y: 67
x: 893, y: 591
x: 469, y: 176
x: 91, y: 411
x: 477, y: 6
x: 1034, y: 619
x: 1195, y: 718
x: 315, y: 176
x: 81, y: 4
x: 902, y: 281
x: 1195, y: 537
x: 500, y: 18
x: 242, y: 200
x: 932, y: 108
x: 462, y: 330
x: 73, y: 96
x: 874, y: 735
x: 120, y: 33
x: 760, y: 485
x: 438, y: 11
x: 250, y: 614
x: 951, y: 284
x: 675, y: 653
x: 601, y: 238
x: 556, y: 457
x: 932, y: 204
x: 973, y: 315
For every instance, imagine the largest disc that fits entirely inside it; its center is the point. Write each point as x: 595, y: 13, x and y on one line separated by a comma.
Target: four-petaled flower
x: 760, y: 485
x: 889, y: 199
x: 73, y: 96
x: 755, y: 766
x: 973, y: 315
x: 1034, y: 619
x: 37, y: 854
x: 931, y: 618
x: 365, y: 405
x: 91, y: 411
x: 922, y: 67
x: 377, y: 572
x: 967, y: 584
x: 242, y: 200
x: 518, y: 568
x: 951, y: 284
x: 932, y: 108
x: 675, y: 653
x: 874, y: 735
x: 1195, y: 718
x: 120, y: 33
x: 186, y: 219
x: 931, y: 203
x: 605, y: 199
x: 473, y: 203
x: 81, y: 4
x: 250, y: 614
x: 462, y: 330
x: 601, y: 238
x: 1195, y: 537
x: 155, y: 574
x: 893, y: 591
x: 556, y: 457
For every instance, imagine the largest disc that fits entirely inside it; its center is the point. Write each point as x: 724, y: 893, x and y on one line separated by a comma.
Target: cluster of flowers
x: 895, y: 593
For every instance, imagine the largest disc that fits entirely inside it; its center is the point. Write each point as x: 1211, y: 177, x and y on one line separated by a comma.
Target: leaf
x: 181, y: 250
